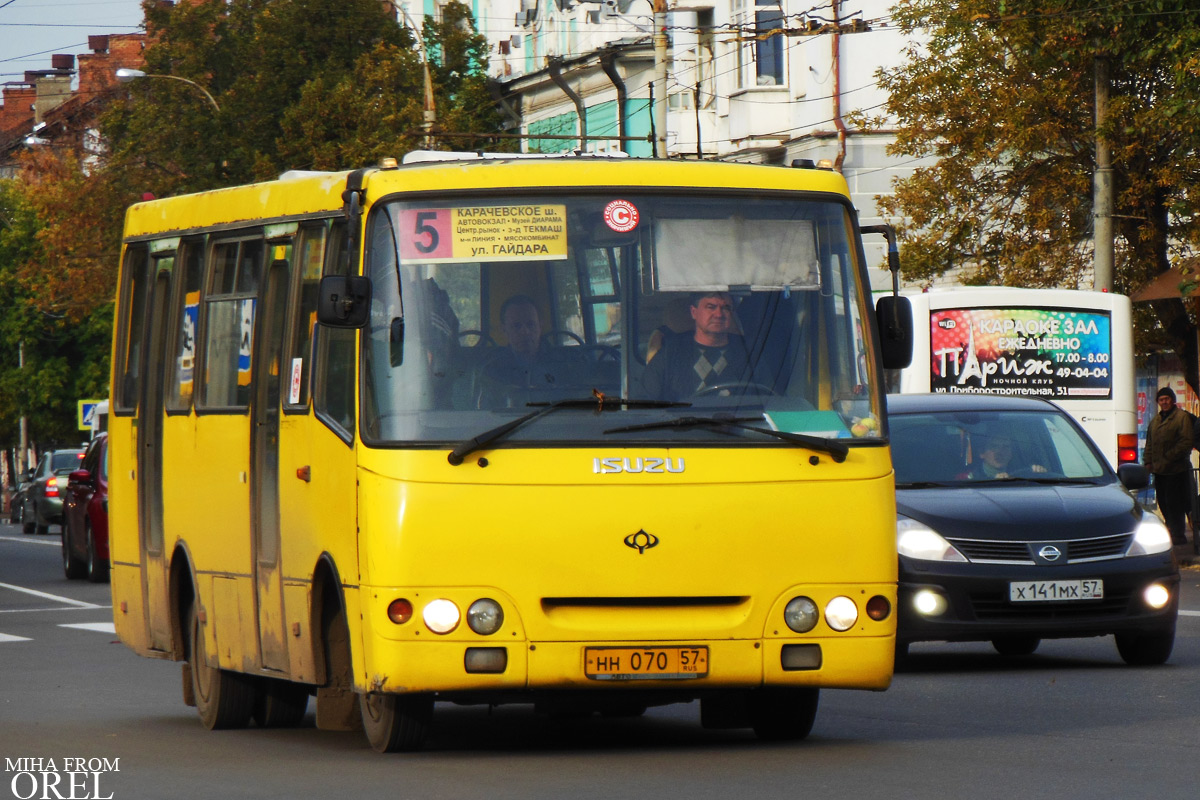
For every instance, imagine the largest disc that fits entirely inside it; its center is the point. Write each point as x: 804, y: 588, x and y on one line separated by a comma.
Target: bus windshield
x: 680, y: 312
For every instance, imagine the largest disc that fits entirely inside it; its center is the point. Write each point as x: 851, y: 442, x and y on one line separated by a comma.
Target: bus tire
x: 280, y: 704
x: 396, y: 722
x: 224, y: 699
x: 783, y: 715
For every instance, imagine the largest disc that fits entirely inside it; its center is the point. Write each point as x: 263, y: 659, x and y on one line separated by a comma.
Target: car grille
x: 992, y: 551
x: 995, y: 607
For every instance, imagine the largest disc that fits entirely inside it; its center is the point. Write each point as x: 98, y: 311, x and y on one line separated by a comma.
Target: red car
x: 85, y: 516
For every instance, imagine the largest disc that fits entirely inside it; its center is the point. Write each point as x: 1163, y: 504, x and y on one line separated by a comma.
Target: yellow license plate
x: 645, y: 663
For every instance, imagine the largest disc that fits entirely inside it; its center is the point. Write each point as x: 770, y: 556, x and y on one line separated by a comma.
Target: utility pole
x: 660, y: 78
x: 24, y: 435
x: 1102, y: 226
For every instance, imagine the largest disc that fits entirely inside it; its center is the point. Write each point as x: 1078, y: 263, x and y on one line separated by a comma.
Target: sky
x: 33, y: 30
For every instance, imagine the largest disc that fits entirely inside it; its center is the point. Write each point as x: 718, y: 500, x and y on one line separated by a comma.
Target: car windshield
x: 654, y: 306
x: 66, y: 460
x: 972, y: 447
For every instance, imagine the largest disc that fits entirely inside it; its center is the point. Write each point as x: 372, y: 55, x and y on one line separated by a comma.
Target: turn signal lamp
x: 1127, y: 448
x: 878, y: 607
x: 400, y: 611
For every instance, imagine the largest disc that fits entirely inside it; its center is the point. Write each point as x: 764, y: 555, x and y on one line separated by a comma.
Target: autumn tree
x: 1002, y: 92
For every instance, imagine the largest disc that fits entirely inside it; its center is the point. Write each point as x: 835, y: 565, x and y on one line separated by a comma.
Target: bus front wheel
x: 224, y: 699
x: 396, y: 722
x: 779, y: 715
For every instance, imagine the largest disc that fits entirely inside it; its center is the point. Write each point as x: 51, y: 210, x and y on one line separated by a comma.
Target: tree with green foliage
x: 1002, y: 92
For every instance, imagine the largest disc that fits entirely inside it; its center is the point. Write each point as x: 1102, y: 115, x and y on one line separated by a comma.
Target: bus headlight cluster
x: 485, y: 616
x: 800, y: 614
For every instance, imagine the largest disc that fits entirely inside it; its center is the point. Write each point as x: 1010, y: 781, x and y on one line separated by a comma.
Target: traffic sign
x: 87, y: 412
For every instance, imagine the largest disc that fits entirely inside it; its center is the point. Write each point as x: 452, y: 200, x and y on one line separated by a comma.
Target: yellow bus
x: 595, y: 434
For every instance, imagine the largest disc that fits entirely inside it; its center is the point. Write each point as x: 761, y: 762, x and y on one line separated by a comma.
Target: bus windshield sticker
x: 621, y: 215
x: 1022, y: 352
x: 534, y: 232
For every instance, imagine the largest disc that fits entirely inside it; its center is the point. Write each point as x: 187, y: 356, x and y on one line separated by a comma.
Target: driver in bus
x: 709, y: 358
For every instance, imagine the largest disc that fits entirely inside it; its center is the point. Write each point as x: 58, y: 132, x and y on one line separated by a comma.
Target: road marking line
x: 56, y: 598
x: 29, y: 541
x: 1189, y: 613
x: 59, y: 609
x: 6, y: 637
x: 100, y: 627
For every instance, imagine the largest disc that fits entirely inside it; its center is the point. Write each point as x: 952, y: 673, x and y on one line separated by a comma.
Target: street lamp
x: 125, y: 75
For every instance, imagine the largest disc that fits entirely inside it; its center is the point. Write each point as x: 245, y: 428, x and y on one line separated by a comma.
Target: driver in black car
x: 995, y: 460
x: 708, y: 357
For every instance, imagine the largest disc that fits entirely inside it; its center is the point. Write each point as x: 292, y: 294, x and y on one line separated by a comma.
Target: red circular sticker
x: 621, y: 216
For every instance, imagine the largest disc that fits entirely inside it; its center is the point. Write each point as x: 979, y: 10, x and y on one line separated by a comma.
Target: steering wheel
x: 737, y: 388
x: 484, y: 339
x: 551, y: 337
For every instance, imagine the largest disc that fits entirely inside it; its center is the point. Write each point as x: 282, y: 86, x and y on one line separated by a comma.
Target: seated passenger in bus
x: 526, y: 369
x: 711, y: 355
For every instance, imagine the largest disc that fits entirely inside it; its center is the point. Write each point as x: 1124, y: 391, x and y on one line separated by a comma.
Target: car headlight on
x: 1150, y: 537
x: 917, y: 540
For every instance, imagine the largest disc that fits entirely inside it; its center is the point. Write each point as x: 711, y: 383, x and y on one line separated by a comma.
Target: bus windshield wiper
x: 832, y: 446
x: 598, y: 402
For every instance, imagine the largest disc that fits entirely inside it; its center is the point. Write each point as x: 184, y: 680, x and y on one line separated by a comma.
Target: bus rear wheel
x: 280, y: 703
x: 224, y: 699
x: 396, y: 722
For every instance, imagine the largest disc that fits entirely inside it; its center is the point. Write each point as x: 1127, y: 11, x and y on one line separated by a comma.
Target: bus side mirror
x: 893, y: 313
x: 344, y: 301
x: 1133, y: 476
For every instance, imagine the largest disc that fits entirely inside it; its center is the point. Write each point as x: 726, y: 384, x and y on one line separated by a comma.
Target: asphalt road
x: 1071, y: 721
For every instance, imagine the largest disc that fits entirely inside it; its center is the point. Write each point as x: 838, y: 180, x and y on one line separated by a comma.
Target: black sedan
x: 1012, y: 528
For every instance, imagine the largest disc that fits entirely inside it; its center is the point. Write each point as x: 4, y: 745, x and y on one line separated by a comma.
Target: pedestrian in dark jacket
x: 1168, y: 457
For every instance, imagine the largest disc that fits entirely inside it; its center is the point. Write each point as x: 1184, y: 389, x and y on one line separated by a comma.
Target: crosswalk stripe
x: 100, y: 627
x: 7, y: 637
x: 56, y: 598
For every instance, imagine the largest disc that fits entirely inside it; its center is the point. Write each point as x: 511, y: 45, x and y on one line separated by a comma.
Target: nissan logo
x: 1050, y: 552
x: 641, y: 541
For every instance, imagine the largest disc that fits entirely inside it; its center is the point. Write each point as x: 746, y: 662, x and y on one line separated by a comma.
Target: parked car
x: 85, y: 516
x: 16, y: 502
x: 43, y: 497
x: 1012, y: 528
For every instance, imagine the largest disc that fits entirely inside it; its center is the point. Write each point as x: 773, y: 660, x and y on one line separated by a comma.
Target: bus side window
x: 235, y: 270
x: 309, y: 261
x: 133, y: 320
x: 333, y: 390
x: 182, y: 348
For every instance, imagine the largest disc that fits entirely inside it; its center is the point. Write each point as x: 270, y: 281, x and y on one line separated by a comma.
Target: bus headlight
x: 485, y: 616
x: 800, y: 614
x: 841, y: 613
x: 1150, y: 537
x: 918, y: 540
x: 441, y: 616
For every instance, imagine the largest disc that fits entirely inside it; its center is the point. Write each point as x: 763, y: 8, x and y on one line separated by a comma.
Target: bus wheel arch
x: 337, y: 704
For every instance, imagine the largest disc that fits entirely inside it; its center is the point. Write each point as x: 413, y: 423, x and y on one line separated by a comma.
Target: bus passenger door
x: 264, y: 465
x: 150, y: 463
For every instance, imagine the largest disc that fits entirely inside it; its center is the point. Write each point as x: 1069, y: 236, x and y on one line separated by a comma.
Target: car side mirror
x: 1133, y: 476
x: 79, y: 476
x: 344, y: 301
x: 893, y: 313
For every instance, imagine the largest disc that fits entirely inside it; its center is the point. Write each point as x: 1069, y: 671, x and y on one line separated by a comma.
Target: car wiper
x: 598, y: 402
x: 928, y: 485
x: 832, y: 446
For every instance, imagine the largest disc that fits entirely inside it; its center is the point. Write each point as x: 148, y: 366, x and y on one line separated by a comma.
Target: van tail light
x: 1127, y: 447
x: 52, y: 487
